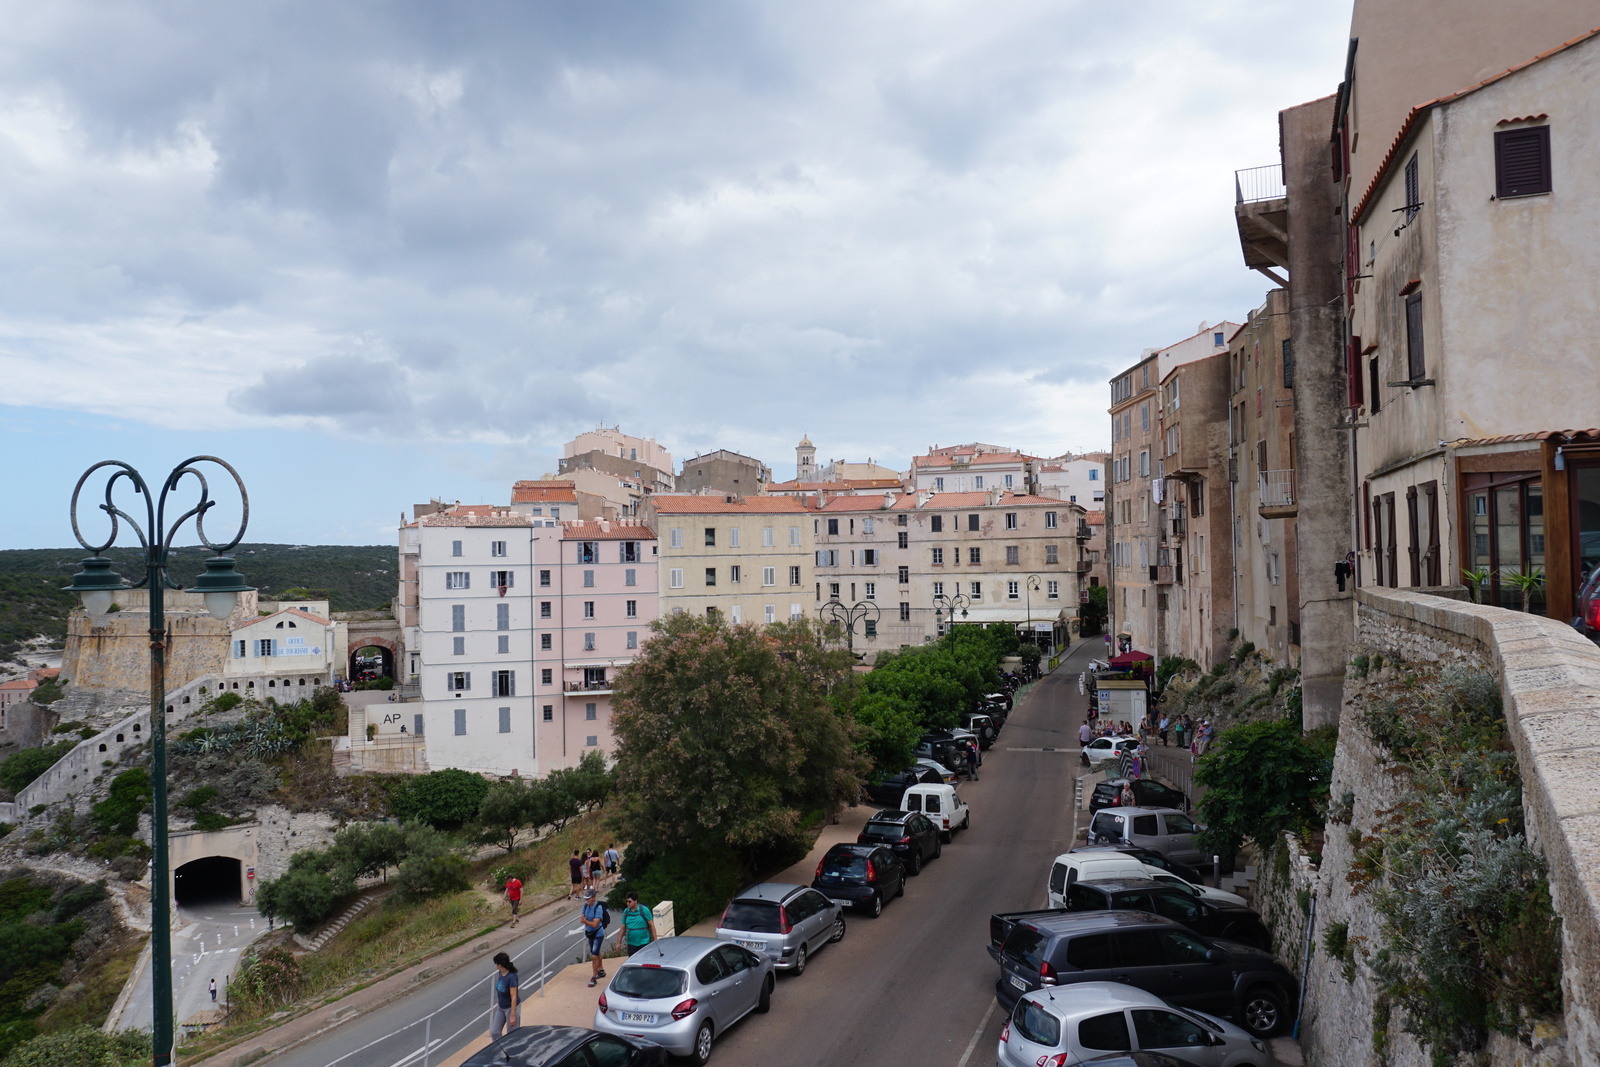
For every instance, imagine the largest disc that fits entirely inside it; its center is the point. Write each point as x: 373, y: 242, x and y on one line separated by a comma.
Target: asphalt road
x: 441, y: 1016
x: 916, y: 985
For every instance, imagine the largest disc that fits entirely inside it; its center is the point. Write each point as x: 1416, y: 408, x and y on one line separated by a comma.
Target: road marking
x: 977, y: 1035
x: 408, y: 1058
x: 1046, y: 748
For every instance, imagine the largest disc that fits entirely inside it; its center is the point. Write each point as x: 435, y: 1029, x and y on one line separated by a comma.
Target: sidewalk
x: 568, y: 1000
x: 296, y: 1031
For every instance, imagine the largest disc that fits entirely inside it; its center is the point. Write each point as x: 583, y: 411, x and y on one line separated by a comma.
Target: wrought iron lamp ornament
x: 866, y: 611
x: 97, y: 584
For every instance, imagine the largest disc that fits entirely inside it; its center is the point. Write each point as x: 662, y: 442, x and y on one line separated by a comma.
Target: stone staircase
x: 326, y: 931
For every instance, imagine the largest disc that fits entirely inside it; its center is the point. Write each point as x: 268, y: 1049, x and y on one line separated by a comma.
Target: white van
x: 1098, y: 866
x: 941, y: 804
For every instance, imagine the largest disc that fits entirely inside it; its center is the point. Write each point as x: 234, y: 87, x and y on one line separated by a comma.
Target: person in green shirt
x: 638, y: 925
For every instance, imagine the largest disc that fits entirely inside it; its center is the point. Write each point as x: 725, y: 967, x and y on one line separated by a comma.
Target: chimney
x: 888, y: 500
x: 923, y: 496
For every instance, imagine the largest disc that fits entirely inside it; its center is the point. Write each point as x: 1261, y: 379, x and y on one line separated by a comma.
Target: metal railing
x: 1254, y: 184
x: 1277, y: 488
x: 590, y: 687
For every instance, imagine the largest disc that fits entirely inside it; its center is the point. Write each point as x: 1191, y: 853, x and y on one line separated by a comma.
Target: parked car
x: 1001, y: 697
x: 1236, y: 922
x: 889, y: 789
x: 787, y: 922
x: 1146, y: 794
x: 946, y: 751
x: 942, y: 805
x: 1587, y: 621
x: 1102, y: 749
x: 1109, y: 1016
x: 946, y: 775
x: 860, y: 876
x: 1103, y: 863
x: 683, y: 993
x: 1164, y: 830
x: 567, y: 1046
x: 1190, y: 971
x: 984, y: 726
x: 911, y: 835
x: 1150, y: 858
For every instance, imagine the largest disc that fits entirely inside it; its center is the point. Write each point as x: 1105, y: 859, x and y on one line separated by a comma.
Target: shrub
x: 83, y: 1046
x: 699, y: 883
x: 302, y: 896
x: 444, y: 799
x: 269, y: 979
x: 423, y: 876
x: 224, y: 702
x: 119, y: 812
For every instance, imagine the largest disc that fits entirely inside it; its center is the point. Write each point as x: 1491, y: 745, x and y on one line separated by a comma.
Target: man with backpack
x: 595, y: 920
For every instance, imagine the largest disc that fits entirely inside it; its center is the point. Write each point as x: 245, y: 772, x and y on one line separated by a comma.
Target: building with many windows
x: 517, y: 631
x: 1079, y: 479
x: 973, y: 468
x: 748, y: 557
x: 991, y: 557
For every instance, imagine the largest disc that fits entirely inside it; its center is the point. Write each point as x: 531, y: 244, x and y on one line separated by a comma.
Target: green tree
x: 1094, y: 612
x: 369, y: 849
x: 724, y: 743
x: 119, y: 812
x: 505, y: 812
x: 888, y: 729
x: 427, y: 875
x: 445, y: 799
x: 303, y: 896
x: 1262, y: 779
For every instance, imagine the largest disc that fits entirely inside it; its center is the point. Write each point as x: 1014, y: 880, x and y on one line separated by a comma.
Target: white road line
x: 411, y: 1056
x: 977, y: 1035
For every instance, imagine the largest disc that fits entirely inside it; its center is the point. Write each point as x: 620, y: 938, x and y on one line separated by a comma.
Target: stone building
x: 725, y: 473
x: 973, y: 468
x: 748, y: 557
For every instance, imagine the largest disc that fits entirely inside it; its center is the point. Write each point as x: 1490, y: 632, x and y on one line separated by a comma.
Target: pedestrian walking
x: 595, y: 867
x: 576, y: 866
x: 971, y: 751
x: 595, y: 919
x: 514, y: 898
x: 213, y: 990
x: 1085, y: 734
x: 503, y: 1018
x: 1163, y: 727
x: 638, y: 925
x: 1177, y: 732
x: 613, y: 860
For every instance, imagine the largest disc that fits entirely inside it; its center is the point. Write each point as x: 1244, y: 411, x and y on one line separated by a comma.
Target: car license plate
x: 1019, y: 983
x: 842, y: 903
x: 637, y: 1017
x: 754, y: 946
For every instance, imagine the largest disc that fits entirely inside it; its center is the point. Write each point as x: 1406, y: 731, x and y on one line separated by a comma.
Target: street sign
x: 1083, y: 597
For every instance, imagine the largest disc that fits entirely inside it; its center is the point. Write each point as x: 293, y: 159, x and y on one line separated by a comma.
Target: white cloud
x: 719, y: 224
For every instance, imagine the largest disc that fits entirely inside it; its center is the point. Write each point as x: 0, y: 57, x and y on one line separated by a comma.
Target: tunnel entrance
x: 211, y: 880
x: 371, y: 662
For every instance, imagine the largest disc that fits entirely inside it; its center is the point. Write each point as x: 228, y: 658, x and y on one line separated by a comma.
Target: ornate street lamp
x: 861, y: 611
x: 221, y: 585
x: 950, y: 604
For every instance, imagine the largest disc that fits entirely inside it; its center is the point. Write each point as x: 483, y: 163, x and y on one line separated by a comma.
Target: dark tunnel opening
x: 212, y: 880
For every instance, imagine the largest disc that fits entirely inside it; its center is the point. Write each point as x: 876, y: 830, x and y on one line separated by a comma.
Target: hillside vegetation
x: 352, y: 577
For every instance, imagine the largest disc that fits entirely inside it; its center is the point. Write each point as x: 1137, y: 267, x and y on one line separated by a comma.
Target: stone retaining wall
x: 1550, y: 682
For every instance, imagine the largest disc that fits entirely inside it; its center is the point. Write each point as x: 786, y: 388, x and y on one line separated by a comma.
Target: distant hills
x: 351, y: 577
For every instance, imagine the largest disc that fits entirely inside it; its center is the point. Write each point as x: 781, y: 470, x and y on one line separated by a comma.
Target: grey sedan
x: 683, y: 992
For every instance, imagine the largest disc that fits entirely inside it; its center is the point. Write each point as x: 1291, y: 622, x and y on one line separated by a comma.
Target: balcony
x: 1261, y: 210
x: 1277, y: 495
x: 1164, y: 573
x: 1084, y: 533
x: 589, y: 687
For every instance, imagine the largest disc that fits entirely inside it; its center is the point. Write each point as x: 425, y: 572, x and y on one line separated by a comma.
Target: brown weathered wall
x: 112, y: 651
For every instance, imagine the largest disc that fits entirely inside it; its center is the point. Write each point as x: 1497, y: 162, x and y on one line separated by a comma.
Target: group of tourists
x: 1177, y: 730
x: 592, y: 870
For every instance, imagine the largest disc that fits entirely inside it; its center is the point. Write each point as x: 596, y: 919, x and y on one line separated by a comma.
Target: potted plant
x: 1474, y: 580
x: 372, y: 730
x: 1526, y: 583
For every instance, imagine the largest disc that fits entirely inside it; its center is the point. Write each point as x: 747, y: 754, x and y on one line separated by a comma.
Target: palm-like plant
x: 1474, y: 580
x: 1526, y: 583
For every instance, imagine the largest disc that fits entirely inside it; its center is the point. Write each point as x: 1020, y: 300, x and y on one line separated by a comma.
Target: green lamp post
x: 97, y: 584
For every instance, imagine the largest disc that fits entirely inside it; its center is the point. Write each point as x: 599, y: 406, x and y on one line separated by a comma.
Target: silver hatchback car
x: 683, y: 992
x: 1086, y: 1020
x: 1164, y: 830
x: 787, y: 922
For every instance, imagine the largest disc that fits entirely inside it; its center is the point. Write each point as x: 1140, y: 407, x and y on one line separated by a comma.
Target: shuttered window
x: 1416, y: 366
x: 1522, y: 161
x: 1413, y: 189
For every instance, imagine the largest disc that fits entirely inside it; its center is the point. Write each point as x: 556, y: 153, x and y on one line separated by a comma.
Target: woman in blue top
x: 503, y: 1018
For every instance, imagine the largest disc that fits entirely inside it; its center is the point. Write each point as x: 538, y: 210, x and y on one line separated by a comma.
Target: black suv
x: 1055, y: 947
x: 893, y: 787
x: 910, y: 835
x: 1214, y: 919
x: 984, y: 725
x: 860, y: 876
x: 1146, y: 794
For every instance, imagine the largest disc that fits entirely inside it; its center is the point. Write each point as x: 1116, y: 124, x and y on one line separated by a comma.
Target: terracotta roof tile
x: 295, y: 612
x: 690, y: 504
x: 501, y: 518
x: 592, y: 531
x: 20, y: 683
x: 536, y: 492
x: 1591, y: 434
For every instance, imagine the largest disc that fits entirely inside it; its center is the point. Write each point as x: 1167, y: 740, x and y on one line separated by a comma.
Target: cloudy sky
x: 373, y: 253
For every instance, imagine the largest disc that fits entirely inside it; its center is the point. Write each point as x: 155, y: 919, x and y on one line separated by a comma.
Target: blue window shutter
x: 505, y: 720
x: 461, y: 721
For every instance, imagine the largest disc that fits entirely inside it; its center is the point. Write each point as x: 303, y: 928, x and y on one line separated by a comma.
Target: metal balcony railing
x: 1255, y: 184
x: 590, y: 687
x: 1277, y: 489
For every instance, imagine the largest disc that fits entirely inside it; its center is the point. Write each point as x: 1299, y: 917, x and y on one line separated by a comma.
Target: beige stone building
x: 751, y: 558
x: 724, y: 472
x: 997, y: 558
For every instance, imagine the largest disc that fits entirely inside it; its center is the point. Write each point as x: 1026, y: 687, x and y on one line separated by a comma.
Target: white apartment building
x: 1079, y: 479
x: 973, y: 468
x: 285, y: 654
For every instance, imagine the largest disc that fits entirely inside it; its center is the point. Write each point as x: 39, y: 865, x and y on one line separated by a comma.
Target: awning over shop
x: 1130, y: 659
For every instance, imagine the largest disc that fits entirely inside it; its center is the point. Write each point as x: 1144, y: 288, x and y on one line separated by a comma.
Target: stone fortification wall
x: 281, y: 833
x: 75, y: 772
x: 1550, y: 682
x: 112, y: 651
